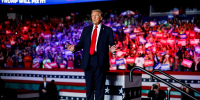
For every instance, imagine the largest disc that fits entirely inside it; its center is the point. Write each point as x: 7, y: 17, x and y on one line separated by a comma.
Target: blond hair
x: 97, y: 10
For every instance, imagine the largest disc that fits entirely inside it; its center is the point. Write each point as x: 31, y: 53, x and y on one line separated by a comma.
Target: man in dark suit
x: 44, y: 90
x: 96, y: 41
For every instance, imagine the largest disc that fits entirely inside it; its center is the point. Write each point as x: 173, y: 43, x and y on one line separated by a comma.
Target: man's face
x: 96, y: 18
x: 44, y: 79
x: 158, y: 86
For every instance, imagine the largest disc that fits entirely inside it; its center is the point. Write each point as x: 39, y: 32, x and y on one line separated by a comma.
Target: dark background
x: 62, y: 10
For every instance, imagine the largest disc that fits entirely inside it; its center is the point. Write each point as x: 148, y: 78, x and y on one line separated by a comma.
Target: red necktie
x: 93, y: 42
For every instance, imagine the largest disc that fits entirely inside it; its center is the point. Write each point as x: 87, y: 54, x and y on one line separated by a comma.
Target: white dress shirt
x: 45, y: 84
x: 98, y: 32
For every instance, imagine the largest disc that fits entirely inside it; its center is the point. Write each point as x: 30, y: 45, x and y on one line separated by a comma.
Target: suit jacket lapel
x: 100, y: 33
x: 90, y: 34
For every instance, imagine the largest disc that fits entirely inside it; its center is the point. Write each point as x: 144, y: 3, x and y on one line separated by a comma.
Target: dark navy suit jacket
x: 105, y: 39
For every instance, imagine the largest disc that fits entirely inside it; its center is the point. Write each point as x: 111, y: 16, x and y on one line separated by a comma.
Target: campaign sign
x: 182, y: 42
x: 112, y: 15
x: 7, y: 22
x: 62, y: 66
x: 132, y: 36
x: 159, y: 35
x: 176, y: 12
x: 165, y: 67
x: 187, y: 63
x: 171, y: 41
x: 162, y: 53
x: 53, y: 64
x: 142, y: 40
x: 127, y: 30
x: 47, y: 66
x: 8, y: 31
x: 170, y: 16
x: 187, y: 32
x: 120, y: 62
x: 140, y: 33
x: 123, y: 13
x: 192, y: 34
x: 163, y: 41
x: 194, y: 41
x: 174, y: 33
x: 47, y: 36
x: 153, y: 23
x: 136, y: 16
x: 170, y: 31
x: 114, y: 29
x: 113, y: 61
x: 154, y: 33
x: 130, y: 60
x: 36, y: 65
x: 197, y: 49
x: 197, y: 29
x: 148, y: 45
x: 119, y: 53
x: 8, y: 46
x: 148, y: 63
x: 183, y: 36
x: 136, y: 30
x: 108, y: 24
x: 157, y: 66
x: 44, y: 2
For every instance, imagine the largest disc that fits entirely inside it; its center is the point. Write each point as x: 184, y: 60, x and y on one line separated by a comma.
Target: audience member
x: 59, y: 59
x: 27, y: 60
x: 187, y: 9
x: 194, y: 9
x: 19, y: 62
x: 46, y: 60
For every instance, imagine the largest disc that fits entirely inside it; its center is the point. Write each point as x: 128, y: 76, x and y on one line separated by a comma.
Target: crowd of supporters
x: 32, y: 43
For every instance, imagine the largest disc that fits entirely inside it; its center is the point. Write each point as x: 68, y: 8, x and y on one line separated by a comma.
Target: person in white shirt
x: 36, y: 62
x: 44, y: 90
x: 139, y: 61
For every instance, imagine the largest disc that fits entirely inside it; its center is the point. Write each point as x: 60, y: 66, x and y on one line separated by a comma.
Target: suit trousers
x: 44, y: 96
x: 95, y: 79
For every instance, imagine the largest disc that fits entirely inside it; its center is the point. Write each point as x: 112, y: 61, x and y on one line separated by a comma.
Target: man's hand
x: 44, y: 91
x: 152, y: 87
x: 156, y: 90
x: 70, y: 47
x: 112, y: 49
